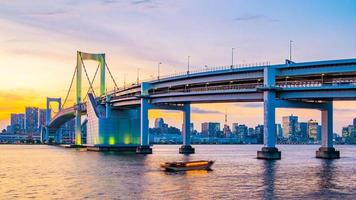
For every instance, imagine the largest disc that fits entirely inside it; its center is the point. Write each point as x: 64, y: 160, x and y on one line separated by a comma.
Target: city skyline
x: 235, y: 24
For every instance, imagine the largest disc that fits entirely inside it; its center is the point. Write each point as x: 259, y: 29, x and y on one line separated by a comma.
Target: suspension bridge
x: 118, y: 119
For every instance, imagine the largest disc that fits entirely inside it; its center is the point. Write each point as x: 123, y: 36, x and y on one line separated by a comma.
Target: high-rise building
x: 318, y: 137
x: 242, y: 131
x: 31, y: 120
x: 290, y: 126
x: 42, y: 117
x: 234, y: 127
x: 17, y: 123
x: 210, y: 129
x: 313, y: 130
x: 279, y: 131
x: 303, y: 127
x: 250, y: 131
x: 159, y: 123
x: 259, y: 133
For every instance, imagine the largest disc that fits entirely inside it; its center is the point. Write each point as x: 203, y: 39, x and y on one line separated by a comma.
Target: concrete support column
x: 327, y: 150
x: 269, y: 151
x: 144, y: 147
x: 186, y: 148
x: 78, y: 125
x: 108, y: 106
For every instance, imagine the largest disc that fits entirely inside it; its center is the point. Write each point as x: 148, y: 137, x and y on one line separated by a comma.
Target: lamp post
x: 158, y: 69
x: 188, y: 64
x: 232, y: 57
x: 138, y: 76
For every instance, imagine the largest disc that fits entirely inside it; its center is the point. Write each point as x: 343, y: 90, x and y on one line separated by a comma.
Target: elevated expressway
x: 313, y: 85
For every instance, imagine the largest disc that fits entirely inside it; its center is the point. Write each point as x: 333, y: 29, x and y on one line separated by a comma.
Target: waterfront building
x: 234, y: 127
x: 290, y: 126
x: 17, y: 123
x: 259, y: 133
x: 242, y: 132
x: 42, y: 117
x: 279, y: 131
x: 303, y: 133
x: 313, y: 130
x: 226, y: 130
x: 31, y: 120
x: 159, y: 123
x: 210, y: 129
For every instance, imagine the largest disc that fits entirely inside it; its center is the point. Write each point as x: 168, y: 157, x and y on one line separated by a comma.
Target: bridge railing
x: 191, y: 72
x: 317, y: 83
x: 208, y: 69
x: 208, y: 88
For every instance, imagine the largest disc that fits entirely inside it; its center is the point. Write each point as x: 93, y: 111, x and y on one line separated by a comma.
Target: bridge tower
x: 81, y: 56
x: 45, y: 137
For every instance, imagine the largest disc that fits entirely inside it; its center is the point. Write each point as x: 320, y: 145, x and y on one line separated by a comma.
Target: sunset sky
x: 39, y: 40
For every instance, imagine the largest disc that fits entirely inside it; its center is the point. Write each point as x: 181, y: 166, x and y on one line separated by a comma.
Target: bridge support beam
x: 327, y: 151
x: 144, y: 147
x: 186, y: 148
x: 269, y: 150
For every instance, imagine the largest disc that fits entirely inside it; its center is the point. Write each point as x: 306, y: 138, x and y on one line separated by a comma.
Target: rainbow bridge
x: 119, y: 118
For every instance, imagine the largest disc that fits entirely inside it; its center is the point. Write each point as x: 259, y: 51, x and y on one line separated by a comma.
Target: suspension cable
x: 70, y: 87
x: 86, y: 74
x: 111, y: 75
x: 96, y: 71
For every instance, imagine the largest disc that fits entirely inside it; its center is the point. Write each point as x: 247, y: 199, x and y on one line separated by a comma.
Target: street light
x: 138, y: 76
x: 158, y: 68
x: 232, y: 57
x: 188, y: 64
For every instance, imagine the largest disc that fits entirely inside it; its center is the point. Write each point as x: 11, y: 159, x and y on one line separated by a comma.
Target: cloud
x: 344, y: 110
x: 203, y: 111
x: 141, y: 2
x: 251, y: 17
x: 251, y: 105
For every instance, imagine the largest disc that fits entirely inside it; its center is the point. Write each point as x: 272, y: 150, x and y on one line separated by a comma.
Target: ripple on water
x: 43, y: 172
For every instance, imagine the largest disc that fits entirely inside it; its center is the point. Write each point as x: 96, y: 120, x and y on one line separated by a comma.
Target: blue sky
x: 38, y: 41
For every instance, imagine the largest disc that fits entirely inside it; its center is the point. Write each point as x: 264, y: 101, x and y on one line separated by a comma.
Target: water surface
x: 47, y: 172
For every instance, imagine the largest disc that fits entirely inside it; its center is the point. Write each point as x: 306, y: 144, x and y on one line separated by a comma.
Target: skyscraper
x: 304, y: 136
x: 42, y: 117
x: 242, y: 131
x: 290, y: 126
x: 210, y: 129
x: 313, y: 129
x: 17, y: 123
x: 31, y: 120
x: 159, y: 122
x: 259, y: 133
x: 234, y: 127
x: 279, y: 131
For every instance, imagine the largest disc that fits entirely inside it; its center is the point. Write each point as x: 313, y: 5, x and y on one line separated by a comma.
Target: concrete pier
x: 186, y: 149
x: 327, y: 153
x: 144, y: 150
x: 269, y: 153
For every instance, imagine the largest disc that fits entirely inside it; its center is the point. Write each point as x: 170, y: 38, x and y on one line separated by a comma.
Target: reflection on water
x: 269, y: 168
x: 43, y: 172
